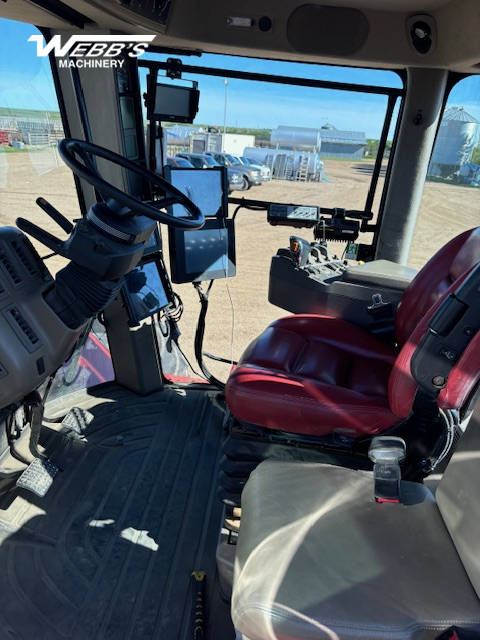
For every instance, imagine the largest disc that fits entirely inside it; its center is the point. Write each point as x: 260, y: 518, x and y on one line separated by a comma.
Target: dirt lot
x: 446, y: 210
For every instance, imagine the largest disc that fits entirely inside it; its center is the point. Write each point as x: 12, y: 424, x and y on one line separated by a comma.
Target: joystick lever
x: 299, y: 250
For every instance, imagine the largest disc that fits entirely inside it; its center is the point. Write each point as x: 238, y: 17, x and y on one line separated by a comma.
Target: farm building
x: 329, y: 141
x: 342, y: 144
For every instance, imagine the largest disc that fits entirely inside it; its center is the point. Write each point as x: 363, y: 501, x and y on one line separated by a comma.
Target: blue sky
x: 25, y: 82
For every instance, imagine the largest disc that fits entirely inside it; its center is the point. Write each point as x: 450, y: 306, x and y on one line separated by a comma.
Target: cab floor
x: 109, y: 552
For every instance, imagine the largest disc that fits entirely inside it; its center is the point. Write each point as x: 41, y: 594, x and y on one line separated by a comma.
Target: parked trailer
x: 289, y: 165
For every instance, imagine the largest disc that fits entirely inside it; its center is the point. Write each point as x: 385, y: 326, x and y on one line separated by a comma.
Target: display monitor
x: 207, y: 188
x: 146, y: 290
x: 203, y: 254
x: 173, y: 103
x: 153, y: 244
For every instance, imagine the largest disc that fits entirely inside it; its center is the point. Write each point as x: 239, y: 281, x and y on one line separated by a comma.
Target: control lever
x: 55, y: 244
x: 49, y: 240
x: 59, y: 218
x: 299, y: 250
x: 386, y: 452
x: 321, y: 252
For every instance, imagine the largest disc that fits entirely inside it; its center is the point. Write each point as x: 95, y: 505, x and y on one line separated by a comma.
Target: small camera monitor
x: 146, y: 290
x: 203, y: 254
x: 207, y: 188
x: 172, y: 103
x: 153, y: 244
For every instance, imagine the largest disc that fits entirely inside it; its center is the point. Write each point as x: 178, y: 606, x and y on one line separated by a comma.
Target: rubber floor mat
x: 109, y: 552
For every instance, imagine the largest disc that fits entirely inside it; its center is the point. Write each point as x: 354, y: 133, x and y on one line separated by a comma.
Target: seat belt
x: 386, y: 452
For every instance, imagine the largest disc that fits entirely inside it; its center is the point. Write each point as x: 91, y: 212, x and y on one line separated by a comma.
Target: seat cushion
x: 318, y: 558
x: 314, y: 374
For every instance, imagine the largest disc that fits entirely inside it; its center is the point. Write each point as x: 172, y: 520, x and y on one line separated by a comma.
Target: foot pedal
x: 77, y: 420
x: 38, y: 477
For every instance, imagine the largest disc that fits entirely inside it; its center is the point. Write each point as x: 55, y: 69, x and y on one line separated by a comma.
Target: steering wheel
x: 88, y: 171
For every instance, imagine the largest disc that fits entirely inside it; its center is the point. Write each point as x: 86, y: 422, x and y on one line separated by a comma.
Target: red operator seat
x: 315, y: 375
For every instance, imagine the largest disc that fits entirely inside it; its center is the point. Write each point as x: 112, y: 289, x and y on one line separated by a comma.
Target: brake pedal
x: 38, y: 477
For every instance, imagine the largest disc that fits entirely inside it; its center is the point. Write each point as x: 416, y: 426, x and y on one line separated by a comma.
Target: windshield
x: 181, y: 162
x: 325, y: 143
x: 233, y: 159
x: 320, y: 130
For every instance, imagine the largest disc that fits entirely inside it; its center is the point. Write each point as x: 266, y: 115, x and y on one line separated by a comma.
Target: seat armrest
x: 381, y: 273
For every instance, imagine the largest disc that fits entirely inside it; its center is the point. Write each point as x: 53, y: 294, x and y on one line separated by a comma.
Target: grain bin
x: 456, y: 139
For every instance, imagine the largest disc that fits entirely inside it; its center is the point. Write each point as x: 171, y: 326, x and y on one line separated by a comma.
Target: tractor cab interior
x: 239, y: 275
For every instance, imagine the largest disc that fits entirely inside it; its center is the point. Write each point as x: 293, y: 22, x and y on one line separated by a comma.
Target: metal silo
x: 296, y: 138
x: 456, y: 139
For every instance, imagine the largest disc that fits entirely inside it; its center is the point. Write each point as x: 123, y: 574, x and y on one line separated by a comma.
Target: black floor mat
x: 108, y: 553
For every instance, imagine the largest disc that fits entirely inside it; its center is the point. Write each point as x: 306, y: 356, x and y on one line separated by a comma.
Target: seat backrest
x: 441, y: 271
x: 458, y: 499
x: 462, y: 379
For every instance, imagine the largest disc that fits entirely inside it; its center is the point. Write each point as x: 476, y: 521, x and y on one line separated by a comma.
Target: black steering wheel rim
x: 70, y: 146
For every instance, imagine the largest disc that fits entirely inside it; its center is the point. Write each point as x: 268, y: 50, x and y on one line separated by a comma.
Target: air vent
x: 34, y: 259
x: 10, y: 268
x: 15, y: 315
x: 26, y: 259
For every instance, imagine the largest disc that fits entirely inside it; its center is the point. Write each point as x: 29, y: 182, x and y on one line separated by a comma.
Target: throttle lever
x: 59, y: 218
x: 49, y: 240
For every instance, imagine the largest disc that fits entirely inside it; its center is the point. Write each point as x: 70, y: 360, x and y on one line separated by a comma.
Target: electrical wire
x: 451, y: 429
x: 249, y: 207
x: 227, y: 286
x: 199, y: 334
x: 175, y: 312
x: 199, y: 375
x: 173, y: 315
x: 219, y: 359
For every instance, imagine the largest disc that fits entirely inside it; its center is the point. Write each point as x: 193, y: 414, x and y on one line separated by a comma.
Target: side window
x: 30, y: 128
x: 451, y: 198
x: 30, y: 167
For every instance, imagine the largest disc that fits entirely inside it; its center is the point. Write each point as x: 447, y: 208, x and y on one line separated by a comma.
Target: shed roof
x: 343, y: 137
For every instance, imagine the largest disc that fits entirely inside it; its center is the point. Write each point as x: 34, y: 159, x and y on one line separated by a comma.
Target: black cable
x: 218, y: 358
x: 199, y: 335
x: 188, y: 362
x: 177, y: 311
x: 168, y: 333
x: 49, y: 255
x: 249, y: 207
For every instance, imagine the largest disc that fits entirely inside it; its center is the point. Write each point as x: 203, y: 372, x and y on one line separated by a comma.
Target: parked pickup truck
x: 201, y: 161
x: 251, y: 175
x: 257, y: 164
